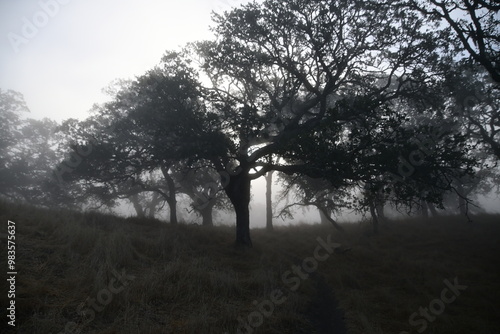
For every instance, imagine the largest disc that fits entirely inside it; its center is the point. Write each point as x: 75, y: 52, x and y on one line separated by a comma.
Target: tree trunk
x: 137, y: 206
x: 171, y: 200
x: 432, y: 209
x: 462, y: 203
x: 269, y: 201
x: 423, y: 209
x: 172, y: 205
x: 206, y: 214
x: 379, y: 208
x: 373, y: 212
x: 203, y: 204
x: 238, y: 191
x: 153, y: 204
x: 330, y: 219
x: 323, y: 217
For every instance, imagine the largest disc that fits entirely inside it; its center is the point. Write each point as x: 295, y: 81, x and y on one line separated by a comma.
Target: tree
x: 26, y: 152
x: 288, y: 82
x: 199, y: 183
x: 475, y: 23
x: 110, y: 166
x: 472, y: 99
x: 475, y: 101
x: 154, y: 125
x: 12, y: 104
x: 280, y: 80
x: 269, y: 201
x: 317, y: 192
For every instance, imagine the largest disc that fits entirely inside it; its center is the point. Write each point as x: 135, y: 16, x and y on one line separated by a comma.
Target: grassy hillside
x: 101, y: 274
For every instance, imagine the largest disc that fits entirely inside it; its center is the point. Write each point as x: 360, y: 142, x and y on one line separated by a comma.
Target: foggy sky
x: 78, y: 47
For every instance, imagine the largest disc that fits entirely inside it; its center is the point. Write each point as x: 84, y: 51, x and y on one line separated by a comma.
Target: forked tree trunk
x: 207, y: 213
x: 238, y: 191
x: 269, y: 201
x: 326, y: 214
x: 155, y: 200
x: 203, y: 204
x: 137, y: 206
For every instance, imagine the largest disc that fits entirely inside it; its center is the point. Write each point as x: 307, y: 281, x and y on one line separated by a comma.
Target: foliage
x: 475, y: 26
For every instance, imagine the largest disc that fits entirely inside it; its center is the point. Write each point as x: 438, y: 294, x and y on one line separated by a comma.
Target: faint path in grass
x: 324, y: 311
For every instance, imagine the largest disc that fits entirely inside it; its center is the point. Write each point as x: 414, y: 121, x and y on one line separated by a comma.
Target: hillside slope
x: 101, y: 274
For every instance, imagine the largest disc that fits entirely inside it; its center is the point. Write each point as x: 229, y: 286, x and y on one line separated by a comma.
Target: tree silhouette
x: 285, y: 81
x: 474, y: 23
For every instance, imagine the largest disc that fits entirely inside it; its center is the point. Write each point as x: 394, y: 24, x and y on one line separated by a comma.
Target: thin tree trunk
x: 373, y: 212
x: 462, y: 204
x: 423, y: 209
x: 432, y: 209
x: 323, y: 217
x: 238, y: 191
x: 171, y: 200
x: 269, y: 201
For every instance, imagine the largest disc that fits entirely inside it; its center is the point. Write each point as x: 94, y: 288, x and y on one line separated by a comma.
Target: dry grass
x: 189, y: 279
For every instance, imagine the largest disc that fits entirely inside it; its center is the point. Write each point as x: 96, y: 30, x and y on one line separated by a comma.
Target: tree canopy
x: 343, y: 97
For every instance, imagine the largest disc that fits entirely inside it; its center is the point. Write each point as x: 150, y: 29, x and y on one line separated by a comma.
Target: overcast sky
x: 61, y: 53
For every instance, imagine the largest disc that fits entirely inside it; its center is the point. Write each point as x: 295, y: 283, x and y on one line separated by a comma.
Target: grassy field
x: 102, y: 274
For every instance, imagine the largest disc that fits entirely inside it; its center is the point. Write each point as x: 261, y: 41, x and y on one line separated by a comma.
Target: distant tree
x: 201, y: 185
x: 27, y: 152
x: 12, y: 105
x: 269, y: 200
x: 269, y: 197
x: 301, y: 190
x: 34, y: 159
x: 147, y: 204
x: 471, y: 98
x: 110, y: 167
x: 474, y: 99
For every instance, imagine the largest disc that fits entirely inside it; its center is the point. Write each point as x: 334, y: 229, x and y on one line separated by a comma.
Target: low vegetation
x: 189, y: 279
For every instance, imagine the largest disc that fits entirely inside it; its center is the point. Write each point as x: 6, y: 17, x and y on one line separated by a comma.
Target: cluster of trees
x: 355, y: 104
